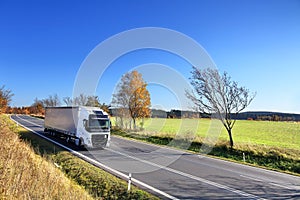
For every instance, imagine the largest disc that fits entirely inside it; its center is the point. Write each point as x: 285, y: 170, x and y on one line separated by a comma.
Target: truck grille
x: 99, y: 140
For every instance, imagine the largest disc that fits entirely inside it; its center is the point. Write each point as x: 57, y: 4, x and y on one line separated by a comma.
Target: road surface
x: 174, y: 174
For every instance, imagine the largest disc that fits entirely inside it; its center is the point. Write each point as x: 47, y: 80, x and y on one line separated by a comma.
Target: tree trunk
x: 230, y: 138
x: 134, y: 125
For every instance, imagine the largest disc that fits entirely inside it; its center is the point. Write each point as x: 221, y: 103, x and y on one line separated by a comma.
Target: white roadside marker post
x: 244, y: 158
x: 129, y: 182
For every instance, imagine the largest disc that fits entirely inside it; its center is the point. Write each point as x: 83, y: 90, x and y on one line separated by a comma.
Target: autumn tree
x: 5, y: 98
x: 218, y: 94
x: 105, y: 107
x: 37, y: 107
x: 132, y: 97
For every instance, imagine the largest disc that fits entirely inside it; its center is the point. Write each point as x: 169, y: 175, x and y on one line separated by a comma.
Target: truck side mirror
x: 84, y: 123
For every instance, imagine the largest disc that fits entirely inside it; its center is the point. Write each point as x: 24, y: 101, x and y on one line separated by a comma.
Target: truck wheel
x: 67, y: 139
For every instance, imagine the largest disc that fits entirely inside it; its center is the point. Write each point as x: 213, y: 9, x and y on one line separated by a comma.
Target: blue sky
x: 44, y: 43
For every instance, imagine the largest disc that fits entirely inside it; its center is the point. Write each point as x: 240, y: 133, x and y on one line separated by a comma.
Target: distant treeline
x: 175, y: 114
x: 268, y: 116
x: 155, y: 113
x: 263, y: 116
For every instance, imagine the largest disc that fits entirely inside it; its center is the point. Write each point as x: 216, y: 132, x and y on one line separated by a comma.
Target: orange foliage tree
x: 5, y: 98
x: 132, y: 97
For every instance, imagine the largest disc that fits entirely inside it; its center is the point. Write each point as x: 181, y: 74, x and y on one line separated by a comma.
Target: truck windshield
x: 99, y: 123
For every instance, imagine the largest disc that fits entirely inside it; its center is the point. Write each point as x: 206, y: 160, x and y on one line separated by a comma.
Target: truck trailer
x: 86, y: 126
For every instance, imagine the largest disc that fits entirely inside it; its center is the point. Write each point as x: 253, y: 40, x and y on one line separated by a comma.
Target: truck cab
x: 95, y: 128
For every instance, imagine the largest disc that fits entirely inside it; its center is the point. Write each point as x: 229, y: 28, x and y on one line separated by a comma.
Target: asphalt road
x: 174, y: 174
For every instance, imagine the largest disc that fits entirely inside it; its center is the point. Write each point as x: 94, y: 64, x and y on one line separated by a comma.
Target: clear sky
x: 44, y: 43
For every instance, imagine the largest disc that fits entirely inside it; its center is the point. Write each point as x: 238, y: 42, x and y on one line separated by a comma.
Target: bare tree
x: 218, y: 94
x: 93, y: 101
x: 51, y: 101
x: 85, y: 100
x: 68, y: 101
x: 81, y: 100
x: 132, y: 97
x: 5, y: 98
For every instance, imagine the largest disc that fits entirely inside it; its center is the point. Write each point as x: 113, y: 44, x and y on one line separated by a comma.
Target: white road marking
x: 190, y: 176
x: 266, y: 181
x: 282, y: 186
x: 252, y: 178
x: 124, y: 176
x: 28, y: 122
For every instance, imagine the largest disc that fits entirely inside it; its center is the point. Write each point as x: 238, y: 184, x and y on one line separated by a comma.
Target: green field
x: 274, y: 145
x: 245, y: 132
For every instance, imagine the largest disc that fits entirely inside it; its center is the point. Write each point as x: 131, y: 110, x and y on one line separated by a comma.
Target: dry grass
x: 25, y: 175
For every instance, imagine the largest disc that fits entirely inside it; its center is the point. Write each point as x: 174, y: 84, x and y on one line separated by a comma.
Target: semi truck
x: 85, y: 126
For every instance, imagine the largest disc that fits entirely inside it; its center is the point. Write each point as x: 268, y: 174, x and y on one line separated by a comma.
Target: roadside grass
x: 273, y: 134
x: 274, y: 145
x: 98, y: 182
x: 95, y: 182
x: 25, y: 175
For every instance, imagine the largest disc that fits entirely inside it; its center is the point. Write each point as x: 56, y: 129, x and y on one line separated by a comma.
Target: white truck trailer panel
x: 62, y: 119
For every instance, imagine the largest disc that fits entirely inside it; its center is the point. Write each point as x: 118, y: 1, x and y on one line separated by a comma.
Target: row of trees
x: 131, y: 100
x: 213, y: 94
x: 275, y: 118
x: 81, y: 100
x: 38, y: 106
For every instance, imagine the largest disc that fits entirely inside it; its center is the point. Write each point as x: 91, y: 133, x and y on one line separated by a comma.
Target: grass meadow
x: 245, y: 132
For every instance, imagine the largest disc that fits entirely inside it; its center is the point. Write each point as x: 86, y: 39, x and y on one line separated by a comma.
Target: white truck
x: 86, y: 126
